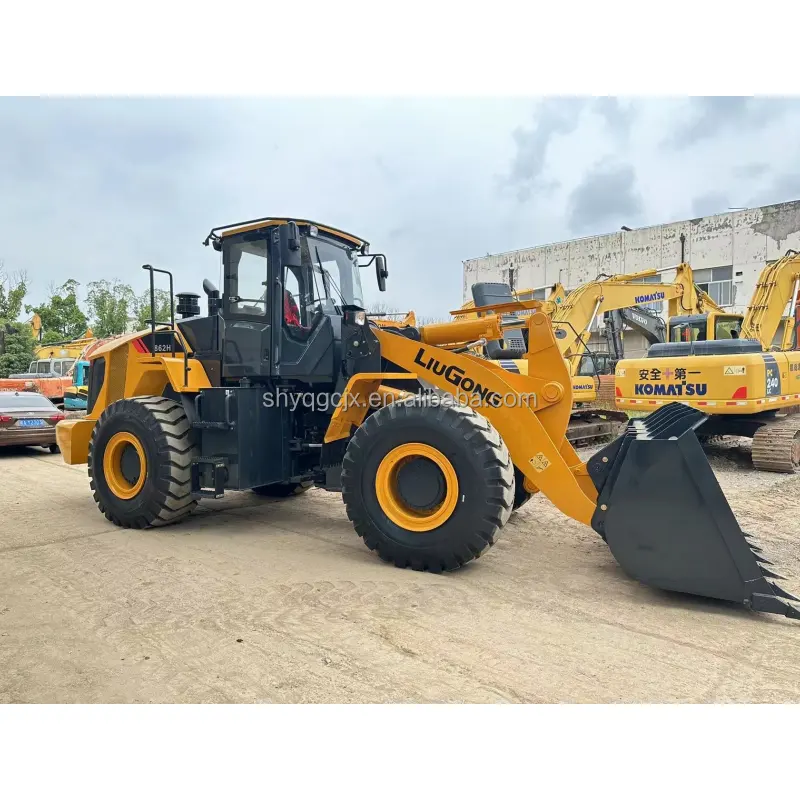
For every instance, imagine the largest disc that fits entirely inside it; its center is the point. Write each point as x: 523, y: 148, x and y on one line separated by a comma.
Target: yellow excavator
x: 217, y: 402
x: 744, y: 372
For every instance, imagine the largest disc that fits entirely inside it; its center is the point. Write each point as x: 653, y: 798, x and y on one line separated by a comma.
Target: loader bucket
x: 666, y: 520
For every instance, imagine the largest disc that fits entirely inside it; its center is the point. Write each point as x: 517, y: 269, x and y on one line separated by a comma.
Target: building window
x: 717, y: 282
x: 511, y: 278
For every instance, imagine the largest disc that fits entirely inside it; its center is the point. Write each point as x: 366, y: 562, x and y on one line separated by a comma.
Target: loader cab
x: 286, y: 285
x: 704, y: 327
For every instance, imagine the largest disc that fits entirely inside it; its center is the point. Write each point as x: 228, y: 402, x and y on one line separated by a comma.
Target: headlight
x: 355, y: 317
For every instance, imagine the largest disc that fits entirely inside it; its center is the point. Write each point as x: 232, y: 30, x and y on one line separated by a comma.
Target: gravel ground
x: 251, y: 600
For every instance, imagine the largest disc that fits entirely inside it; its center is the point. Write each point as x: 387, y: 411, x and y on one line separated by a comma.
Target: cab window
x: 727, y: 328
x: 688, y: 331
x: 246, y: 277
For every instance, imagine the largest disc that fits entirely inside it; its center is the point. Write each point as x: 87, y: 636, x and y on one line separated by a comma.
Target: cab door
x: 247, y: 305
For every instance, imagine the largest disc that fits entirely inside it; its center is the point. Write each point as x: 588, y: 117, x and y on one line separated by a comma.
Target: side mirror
x: 381, y: 272
x: 290, y: 245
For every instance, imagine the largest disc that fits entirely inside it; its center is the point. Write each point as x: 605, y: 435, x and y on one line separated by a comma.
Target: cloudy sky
x: 95, y: 188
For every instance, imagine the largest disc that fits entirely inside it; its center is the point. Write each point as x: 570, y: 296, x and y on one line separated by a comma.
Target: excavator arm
x: 573, y: 319
x: 645, y: 322
x: 777, y: 285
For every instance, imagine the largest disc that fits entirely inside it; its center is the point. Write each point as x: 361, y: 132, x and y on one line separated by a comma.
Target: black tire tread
x: 487, y: 448
x: 173, y: 434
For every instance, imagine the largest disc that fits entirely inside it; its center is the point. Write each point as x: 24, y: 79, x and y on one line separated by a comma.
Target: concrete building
x: 727, y: 252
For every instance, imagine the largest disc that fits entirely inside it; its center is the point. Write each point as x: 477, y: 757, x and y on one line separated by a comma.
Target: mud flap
x: 666, y: 520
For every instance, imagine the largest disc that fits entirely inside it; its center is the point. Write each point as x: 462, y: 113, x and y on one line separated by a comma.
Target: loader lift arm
x: 695, y: 546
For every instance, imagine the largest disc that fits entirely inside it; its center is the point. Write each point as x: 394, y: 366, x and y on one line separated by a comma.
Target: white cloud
x: 95, y: 188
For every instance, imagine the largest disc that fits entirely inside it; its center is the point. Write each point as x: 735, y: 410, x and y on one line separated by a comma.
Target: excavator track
x: 776, y: 446
x: 589, y: 426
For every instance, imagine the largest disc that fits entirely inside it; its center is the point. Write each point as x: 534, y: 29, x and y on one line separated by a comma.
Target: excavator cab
x: 712, y: 326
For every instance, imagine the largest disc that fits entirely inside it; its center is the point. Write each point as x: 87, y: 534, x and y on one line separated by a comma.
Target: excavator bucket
x: 666, y: 520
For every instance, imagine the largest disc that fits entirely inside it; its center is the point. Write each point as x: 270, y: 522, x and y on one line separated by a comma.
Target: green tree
x: 12, y: 293
x: 110, y: 304
x: 16, y: 348
x: 62, y: 318
x: 16, y: 339
x: 142, y: 305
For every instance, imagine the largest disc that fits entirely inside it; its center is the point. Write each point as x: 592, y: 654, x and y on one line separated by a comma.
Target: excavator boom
x: 582, y: 306
x: 777, y: 285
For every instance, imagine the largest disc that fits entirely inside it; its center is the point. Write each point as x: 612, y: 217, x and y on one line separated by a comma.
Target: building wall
x: 743, y: 240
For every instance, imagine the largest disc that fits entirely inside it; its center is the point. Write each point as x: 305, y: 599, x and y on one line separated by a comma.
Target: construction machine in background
x: 572, y: 320
x: 731, y: 368
x: 67, y: 349
x: 207, y: 404
x: 58, y: 378
x: 76, y: 395
x: 648, y: 324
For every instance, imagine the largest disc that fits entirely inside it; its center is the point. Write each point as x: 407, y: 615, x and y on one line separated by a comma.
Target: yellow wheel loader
x: 743, y: 372
x: 274, y: 396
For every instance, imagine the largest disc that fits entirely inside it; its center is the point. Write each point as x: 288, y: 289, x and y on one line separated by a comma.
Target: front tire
x: 140, y: 457
x: 427, y: 486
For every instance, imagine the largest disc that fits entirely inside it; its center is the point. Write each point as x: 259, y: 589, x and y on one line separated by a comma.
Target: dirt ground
x: 253, y: 600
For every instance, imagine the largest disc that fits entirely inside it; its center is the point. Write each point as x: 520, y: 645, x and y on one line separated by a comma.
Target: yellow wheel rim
x: 393, y: 504
x: 112, y: 465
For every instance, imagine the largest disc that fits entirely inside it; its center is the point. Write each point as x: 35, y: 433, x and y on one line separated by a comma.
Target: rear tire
x: 147, y: 445
x: 466, y: 462
x: 53, y: 448
x: 280, y: 490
